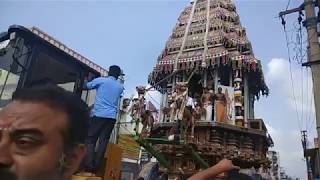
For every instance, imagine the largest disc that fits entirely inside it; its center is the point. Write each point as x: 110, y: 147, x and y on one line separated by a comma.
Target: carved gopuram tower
x: 209, y: 49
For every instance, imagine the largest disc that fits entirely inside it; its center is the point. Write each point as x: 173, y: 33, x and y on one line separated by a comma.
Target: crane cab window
x: 12, y: 59
x: 50, y: 69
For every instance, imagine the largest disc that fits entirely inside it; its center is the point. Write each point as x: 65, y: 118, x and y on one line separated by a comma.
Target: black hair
x: 114, y: 71
x: 42, y: 82
x: 57, y: 98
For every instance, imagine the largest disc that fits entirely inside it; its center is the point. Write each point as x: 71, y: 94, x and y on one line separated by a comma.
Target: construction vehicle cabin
x: 30, y: 56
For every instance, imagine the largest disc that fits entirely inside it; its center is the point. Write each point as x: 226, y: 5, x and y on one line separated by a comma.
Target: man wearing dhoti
x: 207, y: 99
x: 220, y: 101
x: 178, y: 101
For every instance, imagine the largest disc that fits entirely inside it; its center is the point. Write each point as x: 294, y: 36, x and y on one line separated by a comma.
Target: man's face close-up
x: 31, y: 141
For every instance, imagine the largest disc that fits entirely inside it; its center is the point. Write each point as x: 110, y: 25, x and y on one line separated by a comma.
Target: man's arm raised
x: 222, y: 166
x: 95, y: 83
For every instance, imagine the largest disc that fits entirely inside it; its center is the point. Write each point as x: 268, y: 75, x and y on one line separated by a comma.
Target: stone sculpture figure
x: 178, y: 110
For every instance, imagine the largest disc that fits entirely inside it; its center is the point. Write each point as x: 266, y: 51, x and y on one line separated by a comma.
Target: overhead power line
x: 288, y: 4
x: 291, y: 76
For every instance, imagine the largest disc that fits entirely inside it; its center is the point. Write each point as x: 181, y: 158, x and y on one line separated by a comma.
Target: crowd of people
x: 48, y: 133
x: 202, y: 105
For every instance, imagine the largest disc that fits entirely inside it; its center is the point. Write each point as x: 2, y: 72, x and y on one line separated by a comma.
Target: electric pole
x: 313, y: 59
x: 313, y: 54
x: 313, y: 62
x: 304, y: 145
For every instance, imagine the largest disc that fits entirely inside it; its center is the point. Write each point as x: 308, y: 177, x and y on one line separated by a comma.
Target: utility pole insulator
x: 283, y: 22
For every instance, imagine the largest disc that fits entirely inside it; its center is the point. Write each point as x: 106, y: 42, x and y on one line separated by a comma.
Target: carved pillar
x: 173, y: 83
x: 238, y: 96
x: 205, y: 78
x: 251, y: 106
x: 231, y: 78
x: 216, y: 83
x: 246, y: 101
x: 216, y: 74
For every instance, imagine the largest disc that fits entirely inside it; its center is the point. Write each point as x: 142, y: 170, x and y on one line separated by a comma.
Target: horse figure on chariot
x: 140, y: 114
x: 178, y: 111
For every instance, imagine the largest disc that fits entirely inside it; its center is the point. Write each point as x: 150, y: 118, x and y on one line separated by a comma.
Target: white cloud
x: 276, y: 68
x: 299, y: 94
x: 288, y: 145
x: 286, y: 136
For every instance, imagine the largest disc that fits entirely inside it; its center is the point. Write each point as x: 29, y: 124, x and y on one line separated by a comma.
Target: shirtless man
x: 134, y: 108
x: 140, y: 105
x: 197, y: 112
x: 172, y: 107
x: 147, y: 121
x: 207, y: 99
x: 179, y: 110
x: 178, y: 101
x: 141, y: 90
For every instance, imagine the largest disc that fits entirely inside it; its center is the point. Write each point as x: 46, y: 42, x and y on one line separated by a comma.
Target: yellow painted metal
x: 113, y: 162
x: 75, y: 177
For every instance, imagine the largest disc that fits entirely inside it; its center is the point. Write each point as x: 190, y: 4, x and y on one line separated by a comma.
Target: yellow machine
x: 112, y: 168
x: 75, y: 177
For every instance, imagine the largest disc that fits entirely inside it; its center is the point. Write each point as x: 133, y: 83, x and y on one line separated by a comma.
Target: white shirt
x: 190, y: 102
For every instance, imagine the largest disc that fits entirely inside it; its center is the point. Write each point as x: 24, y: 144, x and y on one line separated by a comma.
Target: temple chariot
x: 209, y: 81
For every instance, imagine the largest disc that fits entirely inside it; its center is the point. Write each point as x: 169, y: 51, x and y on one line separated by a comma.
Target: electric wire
x: 311, y: 101
x: 302, y: 99
x: 308, y: 111
x: 300, y: 60
x: 300, y: 55
x: 291, y: 76
x: 312, y: 115
x: 288, y: 4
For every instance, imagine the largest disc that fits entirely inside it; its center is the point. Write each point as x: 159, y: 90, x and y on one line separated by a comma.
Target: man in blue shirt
x: 103, y: 116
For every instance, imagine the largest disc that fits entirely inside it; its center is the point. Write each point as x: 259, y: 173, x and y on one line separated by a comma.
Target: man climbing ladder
x: 103, y: 116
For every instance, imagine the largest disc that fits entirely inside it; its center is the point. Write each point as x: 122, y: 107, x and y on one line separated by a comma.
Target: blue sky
x: 133, y: 33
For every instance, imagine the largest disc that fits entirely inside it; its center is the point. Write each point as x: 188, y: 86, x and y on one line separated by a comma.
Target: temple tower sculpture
x: 210, y: 53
